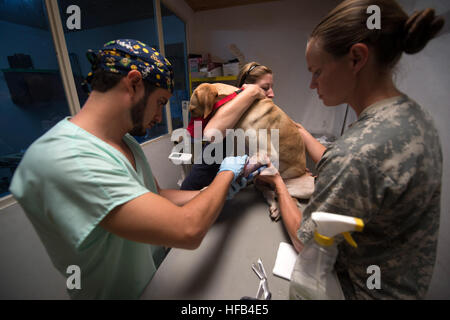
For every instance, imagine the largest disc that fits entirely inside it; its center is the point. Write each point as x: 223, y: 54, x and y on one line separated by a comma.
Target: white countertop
x: 221, y: 267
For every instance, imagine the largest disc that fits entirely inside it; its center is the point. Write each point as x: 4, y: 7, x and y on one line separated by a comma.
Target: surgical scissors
x: 263, y: 292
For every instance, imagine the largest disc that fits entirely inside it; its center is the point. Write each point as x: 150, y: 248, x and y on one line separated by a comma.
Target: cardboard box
x: 216, y: 72
x: 194, y: 64
x: 199, y: 75
x: 230, y: 69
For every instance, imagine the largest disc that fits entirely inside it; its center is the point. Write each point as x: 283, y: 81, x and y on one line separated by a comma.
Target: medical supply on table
x: 313, y: 277
x: 285, y: 261
x: 180, y: 158
x: 263, y: 292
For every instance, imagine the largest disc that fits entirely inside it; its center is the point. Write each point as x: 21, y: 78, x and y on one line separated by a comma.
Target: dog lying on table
x: 264, y: 114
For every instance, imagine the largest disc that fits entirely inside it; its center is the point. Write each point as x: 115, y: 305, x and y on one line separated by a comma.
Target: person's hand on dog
x: 269, y: 176
x: 255, y: 90
x: 300, y: 128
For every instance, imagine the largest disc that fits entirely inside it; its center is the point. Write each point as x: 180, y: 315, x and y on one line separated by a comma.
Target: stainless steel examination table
x: 221, y: 267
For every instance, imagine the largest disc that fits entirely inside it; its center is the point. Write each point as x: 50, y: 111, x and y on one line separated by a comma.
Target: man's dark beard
x: 137, y: 115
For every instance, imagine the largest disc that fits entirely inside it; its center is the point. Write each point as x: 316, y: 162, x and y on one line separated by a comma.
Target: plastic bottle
x: 313, y: 277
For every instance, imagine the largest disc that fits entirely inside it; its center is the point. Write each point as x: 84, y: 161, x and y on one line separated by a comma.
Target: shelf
x: 31, y: 87
x: 194, y: 82
x: 213, y: 79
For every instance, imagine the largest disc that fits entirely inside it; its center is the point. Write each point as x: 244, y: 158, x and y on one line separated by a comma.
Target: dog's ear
x: 203, y: 99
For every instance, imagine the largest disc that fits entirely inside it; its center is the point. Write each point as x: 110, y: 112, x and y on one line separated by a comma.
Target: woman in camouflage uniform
x: 387, y: 167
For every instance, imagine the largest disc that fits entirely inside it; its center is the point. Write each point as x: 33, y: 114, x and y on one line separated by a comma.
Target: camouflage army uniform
x: 387, y: 170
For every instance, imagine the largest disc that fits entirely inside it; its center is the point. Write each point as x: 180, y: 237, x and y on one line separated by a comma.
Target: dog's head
x: 202, y: 100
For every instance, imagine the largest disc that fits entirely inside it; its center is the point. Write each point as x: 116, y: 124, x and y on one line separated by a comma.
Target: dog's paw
x: 275, y: 213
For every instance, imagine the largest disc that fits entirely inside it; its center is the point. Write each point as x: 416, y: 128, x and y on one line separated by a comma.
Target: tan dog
x: 264, y: 114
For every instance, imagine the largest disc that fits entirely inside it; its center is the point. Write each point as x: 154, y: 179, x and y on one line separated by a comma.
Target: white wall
x: 164, y: 171
x: 275, y: 34
x: 425, y: 77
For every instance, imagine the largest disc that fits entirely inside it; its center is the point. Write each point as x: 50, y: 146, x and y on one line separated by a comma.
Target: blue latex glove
x: 234, y: 164
x: 236, y: 187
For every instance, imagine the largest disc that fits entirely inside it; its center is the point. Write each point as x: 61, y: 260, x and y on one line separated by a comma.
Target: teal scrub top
x: 67, y: 182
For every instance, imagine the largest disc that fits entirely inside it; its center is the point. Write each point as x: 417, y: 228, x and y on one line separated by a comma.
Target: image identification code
x: 233, y: 309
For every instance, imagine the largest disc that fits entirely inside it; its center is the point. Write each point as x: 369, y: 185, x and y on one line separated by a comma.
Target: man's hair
x: 103, y: 81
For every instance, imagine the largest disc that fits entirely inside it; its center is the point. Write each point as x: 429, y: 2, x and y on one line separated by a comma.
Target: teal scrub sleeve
x: 83, y: 188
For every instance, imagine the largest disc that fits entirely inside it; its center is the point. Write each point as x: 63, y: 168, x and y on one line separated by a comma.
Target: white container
x: 313, y: 276
x: 185, y: 113
x: 180, y: 158
x: 230, y: 69
x: 216, y: 72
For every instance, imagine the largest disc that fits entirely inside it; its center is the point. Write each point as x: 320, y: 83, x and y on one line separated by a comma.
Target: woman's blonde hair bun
x: 421, y: 27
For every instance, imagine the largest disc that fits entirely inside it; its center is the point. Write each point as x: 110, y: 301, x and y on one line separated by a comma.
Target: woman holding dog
x: 387, y: 167
x: 257, y: 80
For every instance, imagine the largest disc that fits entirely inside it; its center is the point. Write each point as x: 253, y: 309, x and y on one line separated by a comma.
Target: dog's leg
x: 269, y: 196
x: 274, y: 210
x: 299, y: 188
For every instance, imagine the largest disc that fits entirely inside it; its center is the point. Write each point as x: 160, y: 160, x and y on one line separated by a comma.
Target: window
x: 32, y: 98
x: 174, y: 31
x: 102, y: 21
x: 32, y: 95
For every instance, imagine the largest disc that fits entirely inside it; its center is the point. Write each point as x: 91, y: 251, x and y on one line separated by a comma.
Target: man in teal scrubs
x: 89, y: 192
